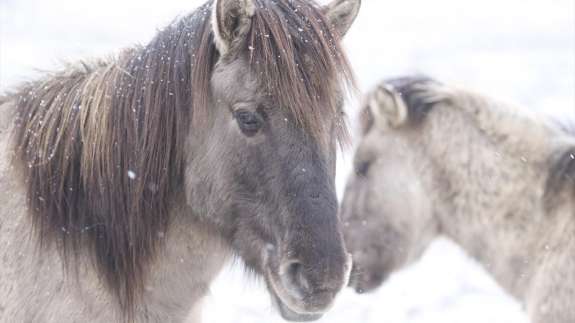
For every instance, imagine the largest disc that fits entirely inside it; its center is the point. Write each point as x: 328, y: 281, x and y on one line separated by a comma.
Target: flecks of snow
x: 131, y: 174
x: 445, y: 286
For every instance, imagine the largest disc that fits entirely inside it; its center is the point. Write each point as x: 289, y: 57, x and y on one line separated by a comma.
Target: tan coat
x: 496, y: 179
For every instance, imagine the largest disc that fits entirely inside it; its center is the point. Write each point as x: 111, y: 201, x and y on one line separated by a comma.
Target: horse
x: 129, y: 182
x: 497, y: 179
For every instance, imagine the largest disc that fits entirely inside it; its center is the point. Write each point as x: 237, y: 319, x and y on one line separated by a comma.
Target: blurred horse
x: 500, y: 181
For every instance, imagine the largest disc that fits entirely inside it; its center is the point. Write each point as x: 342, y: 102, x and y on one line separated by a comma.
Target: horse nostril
x: 294, y: 279
x: 297, y: 272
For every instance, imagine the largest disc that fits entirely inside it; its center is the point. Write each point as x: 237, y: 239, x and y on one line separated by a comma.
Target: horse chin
x: 292, y: 316
x: 363, y: 288
x: 290, y: 308
x: 366, y: 282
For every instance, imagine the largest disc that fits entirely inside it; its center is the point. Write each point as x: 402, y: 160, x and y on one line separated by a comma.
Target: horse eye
x: 249, y: 122
x: 362, y: 168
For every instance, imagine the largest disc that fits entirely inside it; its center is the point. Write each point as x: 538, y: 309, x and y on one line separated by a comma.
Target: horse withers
x: 128, y: 183
x: 498, y: 180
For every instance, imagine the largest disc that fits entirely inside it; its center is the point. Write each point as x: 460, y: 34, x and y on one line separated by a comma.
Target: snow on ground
x: 519, y: 50
x: 444, y: 287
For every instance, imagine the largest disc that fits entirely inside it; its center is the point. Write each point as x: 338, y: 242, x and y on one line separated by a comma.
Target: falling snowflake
x: 131, y: 174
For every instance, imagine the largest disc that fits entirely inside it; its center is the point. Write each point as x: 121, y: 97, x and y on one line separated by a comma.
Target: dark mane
x: 101, y: 149
x: 568, y: 126
x: 299, y: 58
x: 101, y: 144
x: 562, y: 171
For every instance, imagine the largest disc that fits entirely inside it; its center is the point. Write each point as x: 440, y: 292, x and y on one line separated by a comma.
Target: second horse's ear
x: 341, y: 14
x: 406, y: 99
x: 231, y: 21
x: 387, y: 107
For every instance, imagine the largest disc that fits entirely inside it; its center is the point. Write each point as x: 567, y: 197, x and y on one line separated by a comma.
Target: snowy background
x: 519, y: 50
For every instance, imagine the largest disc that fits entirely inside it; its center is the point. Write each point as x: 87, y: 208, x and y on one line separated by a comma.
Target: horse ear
x: 387, y: 107
x: 342, y: 13
x: 231, y: 21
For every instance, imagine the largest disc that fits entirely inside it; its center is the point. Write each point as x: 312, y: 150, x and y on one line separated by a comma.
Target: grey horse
x: 128, y: 183
x: 498, y: 180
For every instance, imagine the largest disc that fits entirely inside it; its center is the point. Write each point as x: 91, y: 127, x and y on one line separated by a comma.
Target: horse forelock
x: 297, y: 55
x: 101, y: 144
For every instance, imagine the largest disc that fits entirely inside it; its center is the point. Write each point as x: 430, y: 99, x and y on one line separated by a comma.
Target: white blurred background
x: 520, y: 50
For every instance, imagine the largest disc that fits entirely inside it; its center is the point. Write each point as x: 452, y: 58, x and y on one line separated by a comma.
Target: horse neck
x: 191, y: 257
x: 491, y: 199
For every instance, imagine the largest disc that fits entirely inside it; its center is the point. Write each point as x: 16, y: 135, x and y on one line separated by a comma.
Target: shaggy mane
x: 101, y: 144
x: 562, y: 172
x: 299, y: 58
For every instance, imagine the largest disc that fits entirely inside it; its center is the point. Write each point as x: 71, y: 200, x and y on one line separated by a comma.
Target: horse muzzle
x: 300, y: 296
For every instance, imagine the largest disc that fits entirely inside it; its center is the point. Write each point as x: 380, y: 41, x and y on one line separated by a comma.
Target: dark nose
x: 314, y: 283
x: 313, y: 262
x: 294, y: 279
